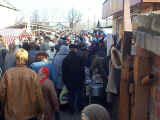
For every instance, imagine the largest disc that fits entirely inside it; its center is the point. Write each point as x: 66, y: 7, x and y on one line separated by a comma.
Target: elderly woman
x: 20, y: 91
x: 95, y: 112
x: 49, y: 94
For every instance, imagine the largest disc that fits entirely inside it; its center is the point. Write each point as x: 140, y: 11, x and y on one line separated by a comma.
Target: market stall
x: 10, y: 35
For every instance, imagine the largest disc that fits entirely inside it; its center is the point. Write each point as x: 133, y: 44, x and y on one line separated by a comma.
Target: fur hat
x: 95, y: 112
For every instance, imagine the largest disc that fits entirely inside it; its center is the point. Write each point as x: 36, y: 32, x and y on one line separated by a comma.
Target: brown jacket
x: 21, y: 94
x: 50, y: 96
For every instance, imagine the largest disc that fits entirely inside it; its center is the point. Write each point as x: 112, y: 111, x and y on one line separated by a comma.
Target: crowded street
x: 86, y: 60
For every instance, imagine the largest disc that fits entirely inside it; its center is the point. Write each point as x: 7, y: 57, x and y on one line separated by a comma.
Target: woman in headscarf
x: 95, y: 112
x: 49, y: 94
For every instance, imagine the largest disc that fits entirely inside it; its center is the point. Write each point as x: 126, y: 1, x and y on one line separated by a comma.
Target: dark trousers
x: 57, y: 115
x: 34, y: 118
x: 74, y: 100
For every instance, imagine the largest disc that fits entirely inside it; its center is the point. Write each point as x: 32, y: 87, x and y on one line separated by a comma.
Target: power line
x: 8, y: 7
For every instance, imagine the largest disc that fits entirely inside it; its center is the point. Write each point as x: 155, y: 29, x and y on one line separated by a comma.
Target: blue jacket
x: 36, y: 66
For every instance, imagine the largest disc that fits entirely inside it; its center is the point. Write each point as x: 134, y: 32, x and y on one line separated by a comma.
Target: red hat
x: 44, y: 73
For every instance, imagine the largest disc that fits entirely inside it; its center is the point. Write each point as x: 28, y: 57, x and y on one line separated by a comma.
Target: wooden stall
x: 140, y: 82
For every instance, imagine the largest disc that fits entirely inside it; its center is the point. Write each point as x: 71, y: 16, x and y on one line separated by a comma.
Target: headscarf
x: 95, y: 112
x: 44, y: 74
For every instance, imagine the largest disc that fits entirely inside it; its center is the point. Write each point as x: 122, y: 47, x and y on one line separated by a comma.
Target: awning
x: 10, y: 35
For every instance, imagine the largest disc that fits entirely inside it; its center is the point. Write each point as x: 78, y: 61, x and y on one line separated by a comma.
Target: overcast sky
x: 56, y: 10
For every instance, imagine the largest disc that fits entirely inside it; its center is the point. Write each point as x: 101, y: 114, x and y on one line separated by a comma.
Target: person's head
x: 95, y: 112
x: 21, y: 56
x: 47, y: 39
x: 73, y: 48
x: 52, y: 48
x: 32, y: 46
x: 2, y: 41
x: 42, y: 56
x: 12, y: 47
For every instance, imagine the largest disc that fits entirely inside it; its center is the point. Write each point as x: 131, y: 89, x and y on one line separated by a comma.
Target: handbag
x: 64, y: 97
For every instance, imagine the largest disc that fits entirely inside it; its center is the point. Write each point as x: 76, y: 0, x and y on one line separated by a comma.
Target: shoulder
x: 23, y: 69
x: 48, y: 83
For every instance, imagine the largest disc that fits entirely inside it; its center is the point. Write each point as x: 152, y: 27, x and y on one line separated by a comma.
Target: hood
x: 64, y: 50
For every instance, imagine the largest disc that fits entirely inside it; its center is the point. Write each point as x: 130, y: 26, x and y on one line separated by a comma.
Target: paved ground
x: 67, y: 116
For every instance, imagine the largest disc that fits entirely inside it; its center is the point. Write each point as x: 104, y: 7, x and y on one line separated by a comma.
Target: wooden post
x: 124, y: 103
x: 142, y: 68
x: 124, y: 110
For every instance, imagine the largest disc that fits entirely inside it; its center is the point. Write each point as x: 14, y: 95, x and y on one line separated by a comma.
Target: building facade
x: 142, y: 95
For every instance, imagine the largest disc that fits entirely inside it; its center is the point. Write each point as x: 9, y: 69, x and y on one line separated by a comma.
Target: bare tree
x: 74, y: 17
x: 19, y: 20
x: 35, y: 17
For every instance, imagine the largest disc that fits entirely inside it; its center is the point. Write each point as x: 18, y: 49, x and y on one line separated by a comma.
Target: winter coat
x: 73, y: 72
x: 97, y: 70
x: 101, y: 52
x: 20, y: 94
x: 3, y: 52
x: 32, y: 56
x: 10, y: 60
x: 57, y: 63
x: 36, y: 66
x: 50, y: 98
x: 114, y: 72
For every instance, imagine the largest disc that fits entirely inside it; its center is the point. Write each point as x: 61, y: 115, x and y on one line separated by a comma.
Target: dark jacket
x: 73, y: 71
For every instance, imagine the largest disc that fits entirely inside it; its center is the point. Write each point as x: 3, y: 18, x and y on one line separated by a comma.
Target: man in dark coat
x: 73, y: 76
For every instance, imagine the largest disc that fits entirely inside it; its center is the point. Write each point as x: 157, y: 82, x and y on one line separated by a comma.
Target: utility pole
x: 88, y: 23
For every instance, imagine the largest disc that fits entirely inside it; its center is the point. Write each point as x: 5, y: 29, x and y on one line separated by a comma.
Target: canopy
x: 10, y: 35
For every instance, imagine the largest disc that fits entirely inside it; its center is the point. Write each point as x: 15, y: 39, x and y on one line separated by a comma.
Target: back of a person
x: 48, y: 89
x: 73, y: 74
x: 9, y: 61
x: 49, y: 94
x: 21, y: 96
x: 57, y: 64
x: 32, y: 55
x: 74, y: 65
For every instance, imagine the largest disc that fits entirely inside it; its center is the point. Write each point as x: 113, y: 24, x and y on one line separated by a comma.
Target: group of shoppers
x: 34, y: 75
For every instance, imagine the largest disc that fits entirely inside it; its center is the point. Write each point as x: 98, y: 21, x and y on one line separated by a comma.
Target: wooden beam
x: 151, y: 1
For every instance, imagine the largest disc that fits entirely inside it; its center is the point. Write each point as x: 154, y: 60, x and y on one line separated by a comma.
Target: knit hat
x: 95, y: 112
x: 44, y: 73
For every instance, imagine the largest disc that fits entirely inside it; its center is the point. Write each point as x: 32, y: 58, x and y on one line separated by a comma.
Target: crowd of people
x: 35, y: 74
